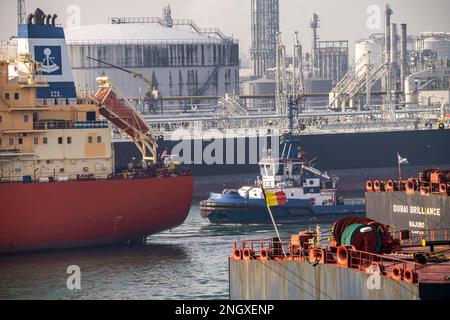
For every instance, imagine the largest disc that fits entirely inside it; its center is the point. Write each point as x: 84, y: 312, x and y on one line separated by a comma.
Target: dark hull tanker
x: 334, y: 151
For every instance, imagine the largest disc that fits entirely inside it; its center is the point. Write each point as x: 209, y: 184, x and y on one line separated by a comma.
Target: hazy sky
x: 340, y: 19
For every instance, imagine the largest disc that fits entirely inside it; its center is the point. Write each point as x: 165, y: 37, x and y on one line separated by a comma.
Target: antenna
x: 21, y: 12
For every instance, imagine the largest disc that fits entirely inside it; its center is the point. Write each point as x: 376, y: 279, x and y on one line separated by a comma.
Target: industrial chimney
x: 403, y: 56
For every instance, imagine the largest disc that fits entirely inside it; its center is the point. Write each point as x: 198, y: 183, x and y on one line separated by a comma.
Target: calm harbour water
x: 189, y: 262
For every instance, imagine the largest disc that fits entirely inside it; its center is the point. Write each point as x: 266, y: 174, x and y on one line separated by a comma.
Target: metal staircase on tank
x: 346, y: 81
x: 175, y: 22
x: 205, y: 85
x: 357, y: 80
x: 375, y: 74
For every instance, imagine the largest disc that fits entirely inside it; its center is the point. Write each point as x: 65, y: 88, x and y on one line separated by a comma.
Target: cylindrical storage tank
x: 317, y: 85
x: 374, y: 44
x: 411, y: 43
x: 258, y: 87
x: 261, y: 86
x: 180, y: 62
x: 439, y: 45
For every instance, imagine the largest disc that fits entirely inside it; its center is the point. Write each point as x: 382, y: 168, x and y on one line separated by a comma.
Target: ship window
x: 90, y: 116
x: 11, y: 141
x: 36, y: 140
x: 89, y: 139
x: 60, y: 140
x: 7, y: 96
x: 296, y: 169
x: 16, y: 96
x: 99, y: 139
x: 269, y: 170
x: 20, y: 140
x: 44, y: 140
x: 25, y: 118
x: 69, y: 140
x: 261, y: 167
x: 280, y: 169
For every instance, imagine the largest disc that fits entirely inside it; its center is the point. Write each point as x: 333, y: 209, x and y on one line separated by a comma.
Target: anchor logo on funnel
x: 49, y: 64
x: 50, y: 56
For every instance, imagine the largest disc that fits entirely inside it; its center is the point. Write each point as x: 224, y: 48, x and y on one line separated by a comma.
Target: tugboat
x: 311, y: 196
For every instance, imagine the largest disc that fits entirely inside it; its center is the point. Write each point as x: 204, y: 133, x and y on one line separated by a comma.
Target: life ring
x: 247, y: 254
x: 237, y: 254
x: 410, y: 276
x: 389, y: 186
x: 264, y: 254
x: 397, y: 273
x: 411, y: 185
x: 443, y: 188
x: 369, y: 186
x: 377, y: 186
x: 342, y: 257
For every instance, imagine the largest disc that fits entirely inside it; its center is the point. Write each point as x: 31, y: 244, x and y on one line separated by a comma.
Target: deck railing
x: 434, y: 268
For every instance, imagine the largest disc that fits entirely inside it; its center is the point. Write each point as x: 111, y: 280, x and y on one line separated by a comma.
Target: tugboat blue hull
x: 233, y: 209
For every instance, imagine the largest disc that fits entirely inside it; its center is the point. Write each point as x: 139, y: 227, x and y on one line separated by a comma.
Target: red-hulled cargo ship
x: 88, y: 213
x: 58, y: 188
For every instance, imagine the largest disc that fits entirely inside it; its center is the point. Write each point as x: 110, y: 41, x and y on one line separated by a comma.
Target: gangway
x: 124, y: 116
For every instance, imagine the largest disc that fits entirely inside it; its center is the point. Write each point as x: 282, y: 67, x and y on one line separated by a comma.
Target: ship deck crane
x: 151, y: 94
x: 119, y: 111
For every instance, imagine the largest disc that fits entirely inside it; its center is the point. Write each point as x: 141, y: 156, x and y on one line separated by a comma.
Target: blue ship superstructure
x: 312, y: 196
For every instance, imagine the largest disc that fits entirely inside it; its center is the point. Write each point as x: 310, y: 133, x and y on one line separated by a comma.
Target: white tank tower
x: 179, y: 57
x: 437, y: 42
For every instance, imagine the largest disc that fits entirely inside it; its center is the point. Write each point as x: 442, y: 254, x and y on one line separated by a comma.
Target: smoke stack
x: 314, y: 25
x: 394, y: 45
x: 387, y: 33
x: 403, y: 56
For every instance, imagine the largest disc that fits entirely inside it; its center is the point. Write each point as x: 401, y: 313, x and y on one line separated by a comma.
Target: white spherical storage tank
x: 180, y: 62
